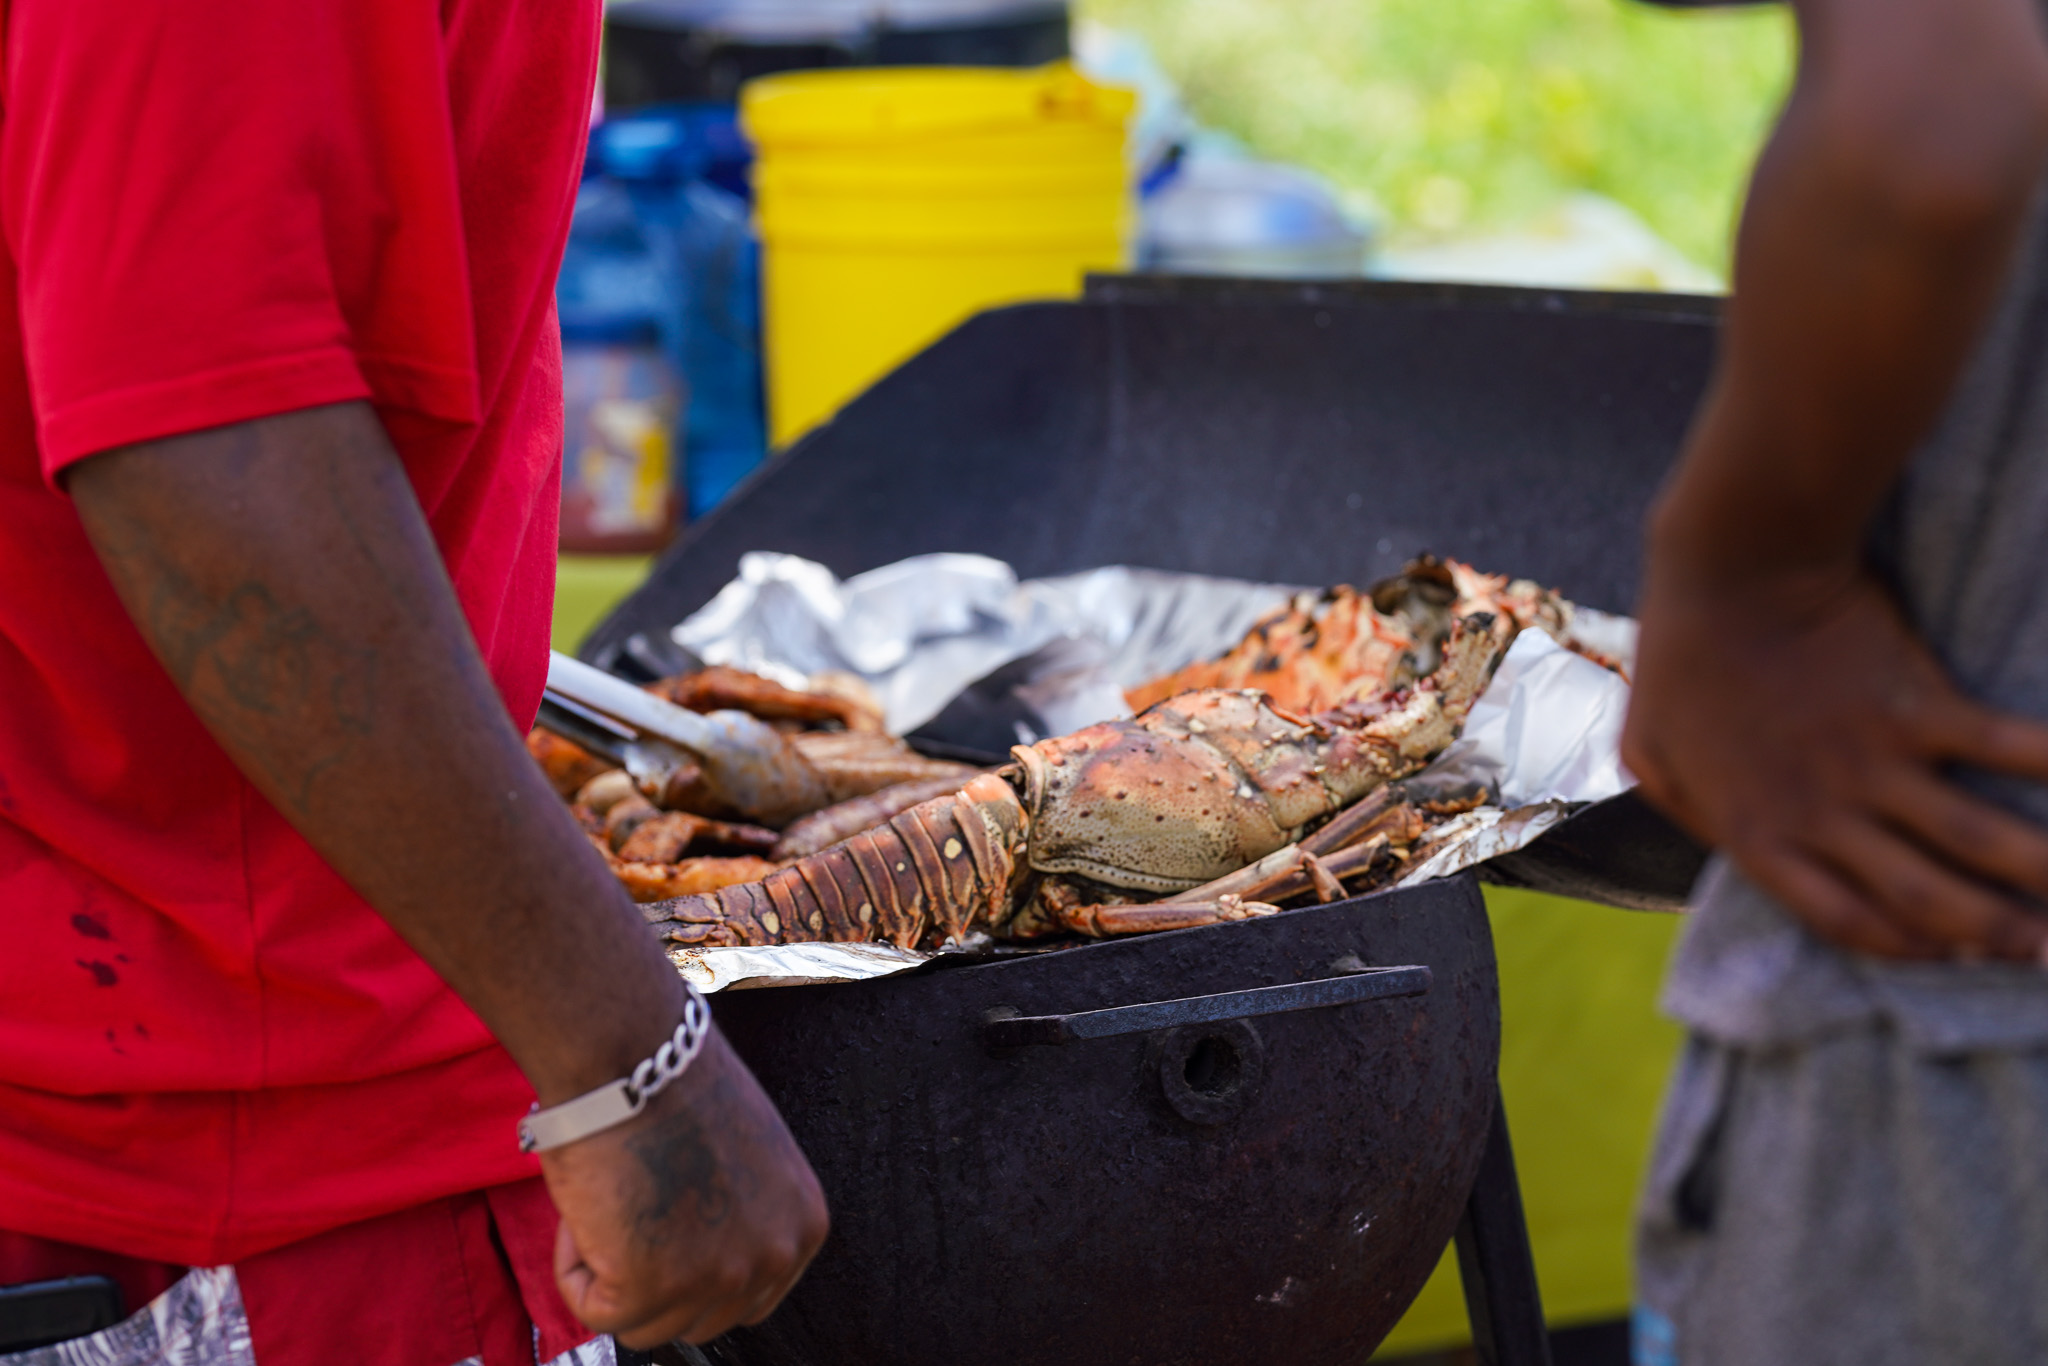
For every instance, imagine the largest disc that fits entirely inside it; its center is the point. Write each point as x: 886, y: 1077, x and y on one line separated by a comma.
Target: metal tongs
x: 716, y: 763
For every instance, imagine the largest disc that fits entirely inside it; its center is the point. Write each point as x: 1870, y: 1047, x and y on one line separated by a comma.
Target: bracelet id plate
x: 589, y: 1113
x: 618, y: 1101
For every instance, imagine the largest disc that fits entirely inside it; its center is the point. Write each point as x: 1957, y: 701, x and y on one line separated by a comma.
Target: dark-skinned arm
x: 283, y: 572
x: 1784, y: 711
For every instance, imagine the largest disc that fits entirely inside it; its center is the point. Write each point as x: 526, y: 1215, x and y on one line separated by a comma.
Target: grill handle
x: 1001, y: 1030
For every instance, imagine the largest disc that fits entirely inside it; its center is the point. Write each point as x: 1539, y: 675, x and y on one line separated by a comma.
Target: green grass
x: 1464, y: 115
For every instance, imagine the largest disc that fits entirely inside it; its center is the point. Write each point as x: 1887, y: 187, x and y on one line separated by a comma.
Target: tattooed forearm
x: 288, y: 579
x: 281, y: 689
x: 278, y: 686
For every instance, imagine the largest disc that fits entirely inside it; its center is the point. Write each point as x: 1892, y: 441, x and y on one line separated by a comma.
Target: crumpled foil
x: 1548, y: 729
x: 920, y: 631
x: 1544, y: 739
x: 791, y: 965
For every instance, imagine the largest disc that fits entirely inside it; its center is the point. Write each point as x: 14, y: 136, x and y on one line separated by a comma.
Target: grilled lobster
x: 1143, y: 824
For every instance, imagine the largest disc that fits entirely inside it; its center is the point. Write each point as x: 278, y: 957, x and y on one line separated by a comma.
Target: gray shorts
x: 1847, y: 1202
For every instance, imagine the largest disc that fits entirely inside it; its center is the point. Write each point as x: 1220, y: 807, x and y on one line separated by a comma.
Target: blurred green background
x: 1463, y: 116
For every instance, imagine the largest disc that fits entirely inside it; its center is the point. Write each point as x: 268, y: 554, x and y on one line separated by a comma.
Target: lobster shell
x: 930, y: 873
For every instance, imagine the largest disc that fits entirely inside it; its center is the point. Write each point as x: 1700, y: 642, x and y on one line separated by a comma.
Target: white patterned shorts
x: 200, y: 1322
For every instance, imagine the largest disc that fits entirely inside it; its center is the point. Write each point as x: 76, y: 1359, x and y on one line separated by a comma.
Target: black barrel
x: 1259, y: 1187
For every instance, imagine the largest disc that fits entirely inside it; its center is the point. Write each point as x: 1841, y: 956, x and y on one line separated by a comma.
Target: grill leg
x: 1494, y: 1260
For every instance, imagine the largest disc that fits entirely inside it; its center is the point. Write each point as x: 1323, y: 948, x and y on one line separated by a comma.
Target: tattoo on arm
x: 681, y: 1164
x: 274, y: 683
x: 277, y: 685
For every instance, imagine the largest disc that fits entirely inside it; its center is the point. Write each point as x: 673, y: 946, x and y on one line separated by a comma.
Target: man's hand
x: 283, y: 572
x: 1783, y: 709
x: 673, y: 1227
x: 1800, y: 727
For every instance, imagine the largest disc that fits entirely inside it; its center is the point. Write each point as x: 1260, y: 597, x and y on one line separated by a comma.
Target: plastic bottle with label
x: 621, y: 394
x: 707, y: 269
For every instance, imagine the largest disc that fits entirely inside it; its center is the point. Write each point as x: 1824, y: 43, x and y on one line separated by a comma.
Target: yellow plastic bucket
x: 894, y: 203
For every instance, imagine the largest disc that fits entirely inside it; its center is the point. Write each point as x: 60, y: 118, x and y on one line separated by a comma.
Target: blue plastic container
x: 658, y: 169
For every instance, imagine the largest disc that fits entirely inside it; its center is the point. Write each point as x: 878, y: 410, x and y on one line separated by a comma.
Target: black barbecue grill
x: 1026, y: 1164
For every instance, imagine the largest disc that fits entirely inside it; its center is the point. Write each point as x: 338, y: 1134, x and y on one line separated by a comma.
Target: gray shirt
x: 1965, y: 542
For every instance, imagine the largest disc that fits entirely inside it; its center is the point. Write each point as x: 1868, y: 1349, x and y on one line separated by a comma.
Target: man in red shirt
x: 292, y: 931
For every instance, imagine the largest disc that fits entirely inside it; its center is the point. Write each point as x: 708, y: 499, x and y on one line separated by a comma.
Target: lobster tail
x: 928, y: 873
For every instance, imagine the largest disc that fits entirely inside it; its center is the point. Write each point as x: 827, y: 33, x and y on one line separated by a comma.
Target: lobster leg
x: 1391, y: 808
x: 1345, y: 848
x: 1319, y: 866
x: 1104, y: 921
x: 1327, y: 886
x: 1277, y: 879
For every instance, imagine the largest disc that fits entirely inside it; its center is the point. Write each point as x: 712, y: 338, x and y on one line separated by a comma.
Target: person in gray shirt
x: 1841, y: 688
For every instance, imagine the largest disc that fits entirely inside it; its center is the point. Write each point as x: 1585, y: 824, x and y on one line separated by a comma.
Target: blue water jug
x: 708, y: 266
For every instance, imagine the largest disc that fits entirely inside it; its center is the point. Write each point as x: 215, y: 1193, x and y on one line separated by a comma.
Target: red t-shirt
x: 215, y: 210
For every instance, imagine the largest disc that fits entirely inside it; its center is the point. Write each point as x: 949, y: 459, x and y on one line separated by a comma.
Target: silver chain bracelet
x: 618, y: 1101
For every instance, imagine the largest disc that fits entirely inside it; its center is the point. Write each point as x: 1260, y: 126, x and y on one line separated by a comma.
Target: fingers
x: 573, y: 1277
x: 1918, y: 873
x: 1831, y: 906
x: 1925, y: 899
x: 725, y: 1303
x: 1812, y: 749
x: 713, y: 1300
x: 1967, y: 831
x: 1969, y: 733
x: 701, y: 1317
x: 621, y: 1310
x: 710, y: 1300
x: 774, y: 1279
x: 695, y: 1326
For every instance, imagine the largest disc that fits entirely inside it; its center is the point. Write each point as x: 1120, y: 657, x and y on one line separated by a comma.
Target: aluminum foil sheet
x: 1547, y: 730
x: 1544, y: 739
x: 791, y: 965
x: 921, y: 631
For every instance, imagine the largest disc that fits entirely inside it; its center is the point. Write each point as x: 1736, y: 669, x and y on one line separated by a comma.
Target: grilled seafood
x: 624, y: 817
x: 1321, y: 650
x: 1082, y: 831
x: 668, y: 837
x: 659, y: 854
x: 717, y: 688
x: 568, y: 765
x: 1306, y: 655
x: 646, y: 882
x: 605, y: 791
x: 856, y: 763
x: 821, y: 829
x: 1387, y: 831
x: 853, y: 762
